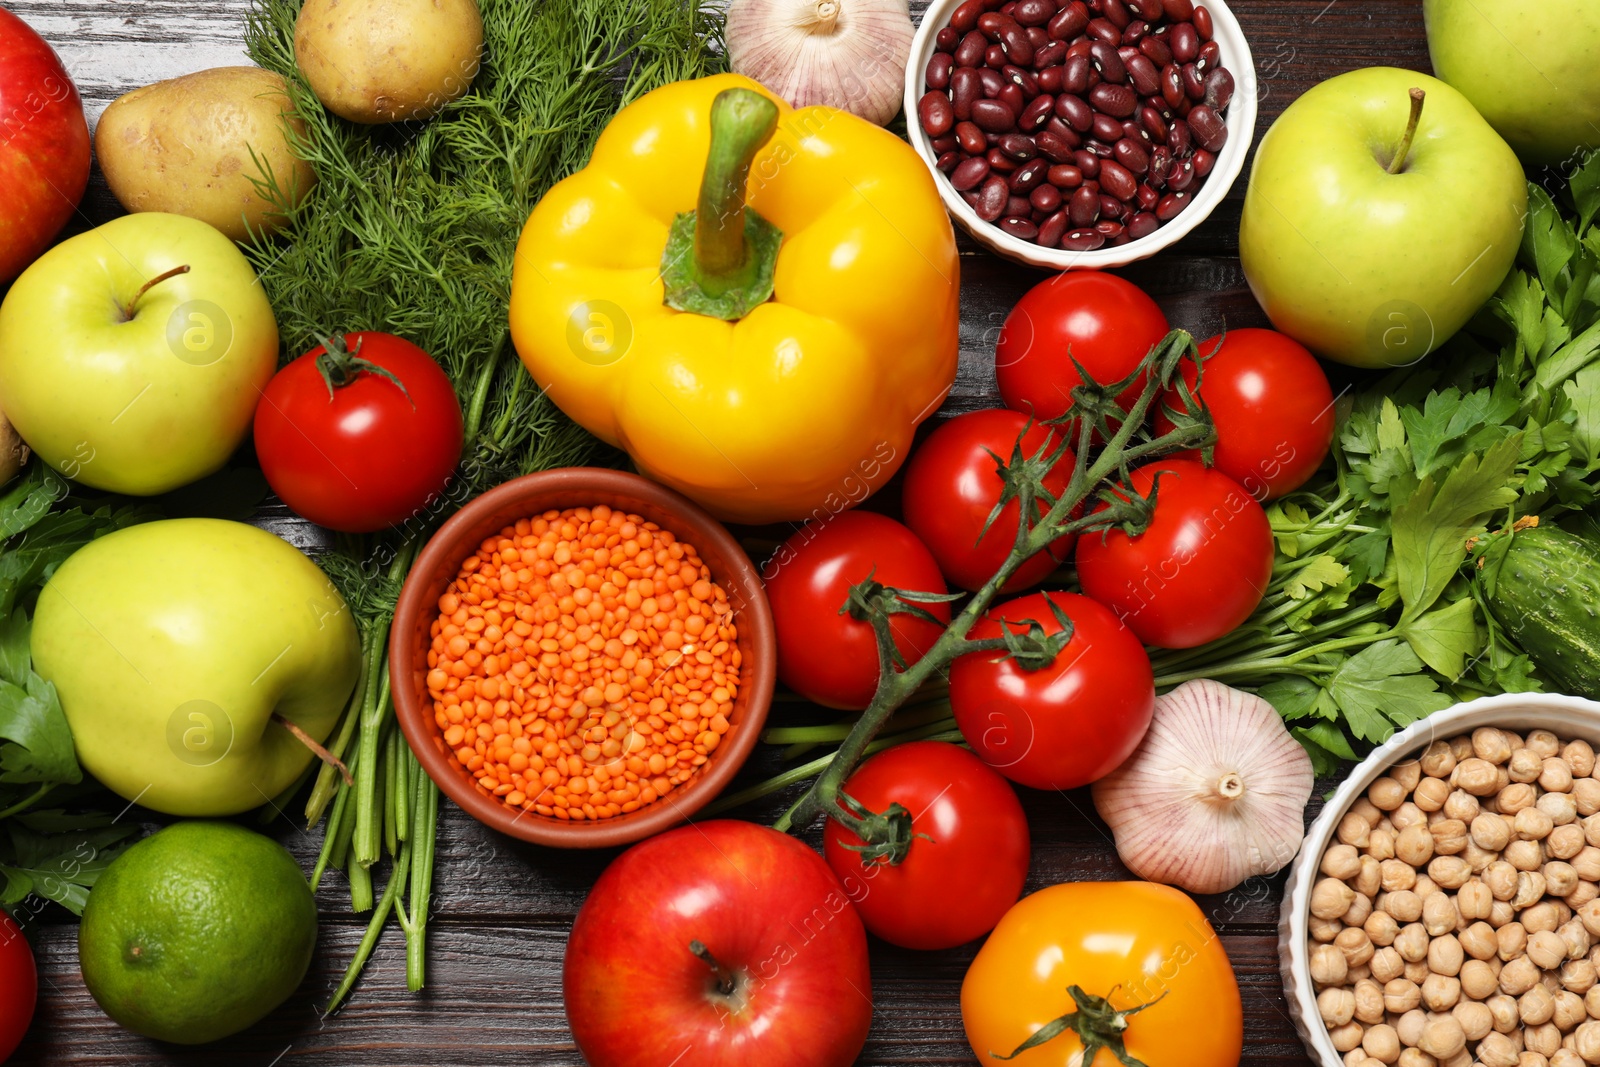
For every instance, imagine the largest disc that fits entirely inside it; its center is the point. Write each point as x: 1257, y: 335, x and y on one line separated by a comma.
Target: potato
x: 184, y: 146
x: 374, y: 61
x: 13, y: 451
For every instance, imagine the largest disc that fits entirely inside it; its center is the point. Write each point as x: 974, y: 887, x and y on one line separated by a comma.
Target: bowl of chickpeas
x: 1445, y: 908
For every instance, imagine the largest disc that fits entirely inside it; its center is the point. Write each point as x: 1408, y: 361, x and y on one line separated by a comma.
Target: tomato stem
x: 1096, y: 1023
x: 339, y: 365
x: 129, y: 308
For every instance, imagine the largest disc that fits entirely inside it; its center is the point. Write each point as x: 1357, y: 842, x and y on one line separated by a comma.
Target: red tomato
x: 19, y: 985
x: 1200, y: 568
x: 1108, y: 325
x: 832, y: 658
x: 955, y: 883
x: 951, y: 488
x: 370, y: 455
x: 1272, y: 407
x: 1064, y: 725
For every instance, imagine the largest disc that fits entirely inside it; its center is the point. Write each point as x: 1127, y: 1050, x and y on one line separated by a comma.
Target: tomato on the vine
x: 1272, y: 407
x: 19, y: 979
x: 966, y: 858
x: 1061, y: 723
x: 360, y: 437
x: 829, y: 657
x: 952, y: 486
x: 1200, y: 567
x: 1137, y: 966
x: 1106, y: 324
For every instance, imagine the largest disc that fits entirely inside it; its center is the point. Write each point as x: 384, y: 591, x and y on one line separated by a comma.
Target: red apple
x: 722, y: 944
x: 44, y: 146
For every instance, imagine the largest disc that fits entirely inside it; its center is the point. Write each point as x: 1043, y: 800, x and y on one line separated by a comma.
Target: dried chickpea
x: 1449, y: 837
x: 1565, y: 841
x: 1559, y: 878
x: 1561, y: 807
x: 1591, y: 829
x: 1442, y: 1037
x: 1501, y: 913
x: 1417, y: 972
x: 1478, y: 859
x: 1357, y: 974
x: 1565, y: 1057
x: 1546, y: 950
x: 1369, y: 881
x: 1556, y: 776
x: 1490, y: 831
x: 1501, y: 878
x: 1425, y: 887
x: 1587, y: 863
x: 1449, y: 872
x: 1531, y: 824
x: 1524, y: 855
x: 1577, y: 938
x: 1445, y: 955
x: 1386, y: 965
x: 1475, y: 1019
x: 1399, y: 874
x: 1439, y: 914
x: 1541, y: 1039
x: 1341, y: 862
x: 1579, y: 756
x: 1330, y: 899
x: 1515, y: 797
x: 1336, y: 1006
x: 1409, y: 1026
x: 1585, y: 794
x: 1513, y: 938
x: 1516, y: 977
x: 1381, y: 1043
x: 1532, y: 1059
x: 1578, y: 976
x: 1490, y: 744
x: 1530, y: 890
x: 1408, y: 773
x: 1354, y: 831
x: 1589, y: 915
x: 1586, y: 1042
x: 1412, y: 943
x: 1367, y: 810
x: 1360, y: 911
x: 1355, y: 945
x: 1367, y: 1002
x: 1569, y: 1011
x: 1414, y: 846
x: 1586, y: 892
x: 1461, y: 806
x: 1380, y: 928
x: 1415, y: 1057
x: 1324, y: 930
x: 1441, y: 992
x: 1478, y: 941
x: 1437, y: 761
x: 1386, y: 794
x: 1347, y: 1037
x: 1591, y: 1002
x: 1404, y: 905
x: 1476, y: 776
x: 1380, y: 845
x: 1536, y: 1007
x: 1545, y: 915
x: 1498, y: 1050
x: 1525, y: 765
x: 1478, y: 980
x: 1474, y: 900
x: 1430, y: 794
x: 1328, y: 966
x: 1504, y: 1010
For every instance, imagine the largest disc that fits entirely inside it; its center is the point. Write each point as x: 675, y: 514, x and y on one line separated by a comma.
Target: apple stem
x: 305, y: 739
x: 1399, y: 161
x: 127, y: 312
x: 725, y: 982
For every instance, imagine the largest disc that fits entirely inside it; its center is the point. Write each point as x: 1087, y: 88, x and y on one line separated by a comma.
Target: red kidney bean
x: 1093, y: 187
x: 1202, y: 21
x: 1017, y: 206
x: 992, y: 197
x: 1182, y: 175
x: 1106, y: 129
x: 935, y: 113
x: 1084, y: 207
x: 1146, y: 198
x: 1029, y: 175
x: 1109, y: 228
x: 1064, y: 177
x: 1208, y: 128
x: 989, y: 24
x: 995, y: 57
x: 1178, y: 138
x: 1009, y: 35
x: 1100, y: 149
x: 1082, y: 241
x: 969, y: 53
x: 1008, y: 7
x: 1117, y: 101
x: 1012, y: 98
x: 993, y: 81
x: 1160, y: 165
x: 993, y: 116
x: 947, y: 143
x: 1171, y: 206
x: 1137, y: 30
x: 1210, y: 56
x: 1185, y: 43
x: 1178, y: 10
x: 1126, y: 54
x: 1050, y: 80
x: 1131, y: 128
x: 1153, y: 123
x: 1194, y: 85
x: 1117, y: 180
x: 1023, y: 229
x: 1045, y: 198
x: 1052, y: 147
x: 1117, y: 13
x: 1075, y: 73
x: 1204, y: 162
x: 1069, y: 21
x: 1037, y: 112
x: 1219, y: 89
x: 1087, y: 162
x: 946, y: 40
x: 1017, y: 147
x: 965, y: 88
x: 993, y: 5
x: 1072, y: 138
x: 1049, y: 55
x: 970, y: 173
x: 971, y: 138
x: 1107, y: 62
x: 1037, y: 37
x: 1143, y: 75
x: 1149, y: 10
x: 1025, y: 80
x: 1034, y: 12
x: 1000, y: 162
x: 948, y: 161
x: 1155, y: 49
x: 1184, y: 107
x: 938, y: 72
x: 1131, y: 154
x: 1105, y: 31
x: 1052, y: 229
x: 1143, y: 225
x: 965, y: 16
x: 1074, y: 112
x: 1172, y: 85
x: 1110, y: 207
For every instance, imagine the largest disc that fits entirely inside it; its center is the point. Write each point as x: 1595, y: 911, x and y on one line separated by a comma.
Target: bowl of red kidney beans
x: 1080, y: 134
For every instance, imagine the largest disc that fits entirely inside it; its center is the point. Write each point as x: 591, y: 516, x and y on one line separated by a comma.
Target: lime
x: 197, y: 932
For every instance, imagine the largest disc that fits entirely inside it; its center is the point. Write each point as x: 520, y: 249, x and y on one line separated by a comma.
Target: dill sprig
x: 412, y: 229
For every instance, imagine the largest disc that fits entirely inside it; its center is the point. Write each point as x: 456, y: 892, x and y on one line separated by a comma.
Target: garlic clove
x: 1215, y: 794
x: 849, y: 54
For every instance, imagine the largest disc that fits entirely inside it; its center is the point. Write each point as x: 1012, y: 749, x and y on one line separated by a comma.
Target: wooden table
x: 503, y: 908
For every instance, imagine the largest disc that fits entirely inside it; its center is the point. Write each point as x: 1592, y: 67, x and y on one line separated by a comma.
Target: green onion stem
x: 369, y: 940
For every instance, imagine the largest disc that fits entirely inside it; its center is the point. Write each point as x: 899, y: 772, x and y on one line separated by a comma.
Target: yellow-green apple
x: 44, y: 145
x: 183, y: 650
x: 1379, y: 218
x: 132, y: 356
x: 1531, y: 67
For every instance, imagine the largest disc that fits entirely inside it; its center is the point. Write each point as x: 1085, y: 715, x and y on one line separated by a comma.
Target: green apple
x: 1362, y: 265
x: 1531, y: 67
x: 178, y: 646
x: 132, y: 356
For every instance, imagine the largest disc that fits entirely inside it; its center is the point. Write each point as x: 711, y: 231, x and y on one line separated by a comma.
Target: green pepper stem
x: 742, y: 122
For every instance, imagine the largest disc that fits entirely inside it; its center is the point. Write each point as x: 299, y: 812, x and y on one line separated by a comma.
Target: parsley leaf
x: 1381, y: 687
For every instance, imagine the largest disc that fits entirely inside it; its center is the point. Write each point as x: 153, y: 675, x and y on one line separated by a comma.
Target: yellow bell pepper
x: 760, y: 409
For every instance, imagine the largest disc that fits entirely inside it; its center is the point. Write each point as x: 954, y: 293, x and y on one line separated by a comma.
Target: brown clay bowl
x: 458, y: 538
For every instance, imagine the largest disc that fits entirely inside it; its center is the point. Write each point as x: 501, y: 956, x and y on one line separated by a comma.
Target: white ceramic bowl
x: 1567, y: 717
x: 1241, y: 117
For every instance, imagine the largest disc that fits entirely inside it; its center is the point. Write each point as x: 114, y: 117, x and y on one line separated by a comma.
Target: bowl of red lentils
x: 582, y: 658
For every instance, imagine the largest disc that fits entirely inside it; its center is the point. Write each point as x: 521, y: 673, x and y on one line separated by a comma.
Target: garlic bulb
x: 1214, y: 794
x: 849, y: 54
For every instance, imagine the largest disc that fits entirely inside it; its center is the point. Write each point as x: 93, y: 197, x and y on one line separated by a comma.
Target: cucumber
x: 1545, y: 594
